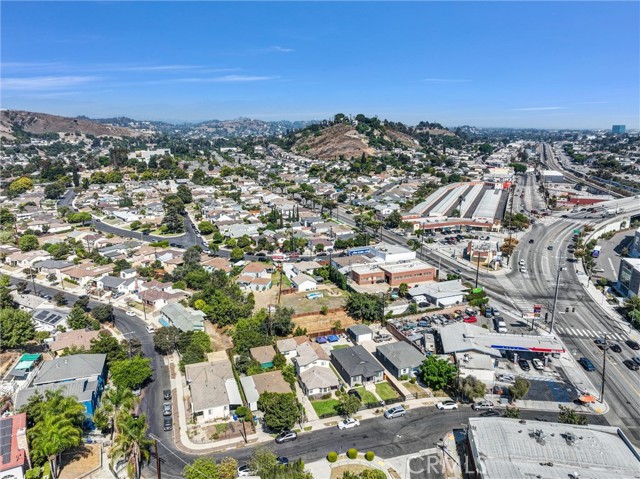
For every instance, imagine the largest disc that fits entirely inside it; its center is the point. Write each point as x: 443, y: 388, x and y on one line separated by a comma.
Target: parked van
x: 499, y: 324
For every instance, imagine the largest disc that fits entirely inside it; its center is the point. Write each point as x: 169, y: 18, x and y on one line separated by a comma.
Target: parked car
x: 506, y: 378
x: 245, y: 471
x: 636, y: 359
x: 130, y: 313
x: 166, y: 394
x: 587, y: 364
x: 550, y: 248
x: 348, y: 423
x: 524, y: 364
x: 137, y: 391
x: 445, y: 405
x: 470, y: 319
x: 523, y: 269
x: 168, y: 423
x: 482, y: 405
x: 633, y: 344
x: 286, y: 436
x: 537, y: 364
x: 282, y: 461
x: 530, y: 241
x: 150, y: 329
x: 166, y: 409
x: 615, y: 347
x: 631, y: 364
x: 397, y: 411
x: 490, y: 413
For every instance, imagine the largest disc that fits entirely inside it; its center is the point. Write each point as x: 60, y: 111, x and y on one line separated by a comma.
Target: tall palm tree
x: 51, y: 436
x: 117, y: 401
x: 132, y: 443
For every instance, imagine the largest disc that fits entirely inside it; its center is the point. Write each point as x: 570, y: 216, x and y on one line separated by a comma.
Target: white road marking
x: 615, y: 273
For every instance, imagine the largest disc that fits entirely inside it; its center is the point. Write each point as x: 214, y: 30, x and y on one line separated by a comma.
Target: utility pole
x: 155, y: 443
x: 477, y: 268
x: 555, y: 295
x: 33, y: 282
x: 513, y: 189
x: 605, y: 346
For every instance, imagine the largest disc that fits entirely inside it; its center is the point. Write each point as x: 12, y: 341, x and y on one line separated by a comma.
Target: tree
x: 228, y: 468
x: 184, y: 193
x: 570, y: 416
x: 54, y: 190
x: 103, y: 313
x: 281, y: 321
x: 512, y: 412
x: 203, y: 467
x: 237, y: 254
x: 393, y: 220
x: 28, y: 243
x: 192, y: 355
x: 131, y: 443
x: 165, y: 340
x: 280, y: 410
x: 206, y: 227
x: 21, y: 286
x: 50, y: 437
x: 6, y: 301
x: 78, y: 319
x: 60, y: 299
x: 131, y: 373
x: 263, y: 460
x: 403, y: 289
x: 471, y: 387
x: 115, y: 402
x: 107, y: 344
x: 349, y: 404
x: 16, y: 328
x: 21, y: 185
x: 436, y: 373
x: 364, y: 307
x: 7, y: 218
x: 520, y: 388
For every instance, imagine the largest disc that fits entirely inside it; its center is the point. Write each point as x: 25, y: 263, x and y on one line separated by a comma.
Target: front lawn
x: 324, y: 407
x: 367, y: 396
x: 385, y: 391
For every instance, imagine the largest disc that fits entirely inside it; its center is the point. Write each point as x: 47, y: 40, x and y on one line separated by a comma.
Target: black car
x: 587, y: 364
x: 524, y: 364
x: 615, y: 347
x: 530, y: 241
x: 353, y: 392
x: 166, y: 394
x: 490, y: 413
x: 633, y: 344
x: 168, y: 424
x: 282, y: 461
x: 286, y: 436
x: 631, y: 364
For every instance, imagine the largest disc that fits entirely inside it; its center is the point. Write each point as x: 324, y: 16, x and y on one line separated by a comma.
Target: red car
x: 470, y: 319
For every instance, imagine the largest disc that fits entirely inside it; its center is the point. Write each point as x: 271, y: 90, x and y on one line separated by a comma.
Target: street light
x: 555, y: 295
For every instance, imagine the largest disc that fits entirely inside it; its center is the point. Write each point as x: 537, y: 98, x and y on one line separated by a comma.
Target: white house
x: 303, y: 283
x: 309, y: 355
x: 214, y: 391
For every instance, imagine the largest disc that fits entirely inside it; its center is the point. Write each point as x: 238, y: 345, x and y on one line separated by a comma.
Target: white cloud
x: 46, y: 82
x: 231, y: 79
x: 540, y: 108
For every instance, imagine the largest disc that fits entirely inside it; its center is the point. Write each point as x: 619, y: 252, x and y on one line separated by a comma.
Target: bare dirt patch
x: 319, y: 323
x: 220, y: 341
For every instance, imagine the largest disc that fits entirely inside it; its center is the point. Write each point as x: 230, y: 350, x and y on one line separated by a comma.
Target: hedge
x: 352, y: 453
x: 369, y: 456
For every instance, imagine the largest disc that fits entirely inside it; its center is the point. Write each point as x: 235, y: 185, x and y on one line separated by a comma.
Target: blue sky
x: 507, y: 64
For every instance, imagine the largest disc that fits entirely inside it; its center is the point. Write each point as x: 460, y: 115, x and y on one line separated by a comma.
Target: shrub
x: 404, y: 377
x: 352, y: 453
x: 332, y: 456
x: 412, y: 380
x: 338, y: 392
x: 369, y: 456
x: 326, y: 396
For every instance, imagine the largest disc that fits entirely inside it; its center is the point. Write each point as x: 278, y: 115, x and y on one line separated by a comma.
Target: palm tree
x: 131, y: 443
x: 51, y: 436
x: 116, y: 402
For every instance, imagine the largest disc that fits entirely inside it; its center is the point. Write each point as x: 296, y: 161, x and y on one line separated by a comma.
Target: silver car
x: 394, y: 412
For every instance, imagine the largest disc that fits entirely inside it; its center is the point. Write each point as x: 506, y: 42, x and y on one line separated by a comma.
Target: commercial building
x: 629, y: 277
x: 551, y: 176
x: 500, y: 448
x: 409, y: 272
x: 618, y: 129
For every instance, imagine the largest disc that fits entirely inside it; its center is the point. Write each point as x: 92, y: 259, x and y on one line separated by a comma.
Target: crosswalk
x: 588, y: 333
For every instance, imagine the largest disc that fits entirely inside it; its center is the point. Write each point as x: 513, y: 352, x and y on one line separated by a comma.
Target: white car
x: 537, y: 364
x: 523, y: 269
x: 348, y: 423
x: 150, y: 329
x: 130, y: 313
x: 442, y: 405
x: 521, y: 263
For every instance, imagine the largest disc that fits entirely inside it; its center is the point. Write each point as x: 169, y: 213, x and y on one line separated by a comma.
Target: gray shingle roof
x: 402, y: 355
x: 356, y: 361
x: 69, y: 368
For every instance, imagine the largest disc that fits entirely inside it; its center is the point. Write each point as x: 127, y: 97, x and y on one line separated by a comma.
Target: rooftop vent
x: 570, y: 438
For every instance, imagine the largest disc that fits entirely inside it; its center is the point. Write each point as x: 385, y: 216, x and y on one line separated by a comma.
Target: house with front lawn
x: 400, y: 359
x: 308, y: 355
x: 356, y: 366
x: 318, y: 380
x: 214, y: 391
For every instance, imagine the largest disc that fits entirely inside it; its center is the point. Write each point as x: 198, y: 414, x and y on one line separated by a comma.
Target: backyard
x: 332, y: 298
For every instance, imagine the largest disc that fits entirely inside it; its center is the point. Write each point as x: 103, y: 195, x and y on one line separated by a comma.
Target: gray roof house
x: 318, y: 380
x: 360, y: 332
x: 214, y: 391
x: 174, y: 314
x: 356, y: 365
x: 400, y: 359
x: 72, y: 368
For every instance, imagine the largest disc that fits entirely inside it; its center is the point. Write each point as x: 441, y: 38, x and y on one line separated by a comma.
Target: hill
x: 16, y: 123
x: 369, y: 136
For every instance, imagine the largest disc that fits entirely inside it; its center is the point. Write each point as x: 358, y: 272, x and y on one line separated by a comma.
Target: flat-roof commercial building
x: 551, y: 176
x: 629, y: 277
x: 501, y: 448
x: 409, y: 272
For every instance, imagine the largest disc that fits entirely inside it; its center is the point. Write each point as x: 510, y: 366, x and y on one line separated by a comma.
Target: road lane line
x: 615, y: 273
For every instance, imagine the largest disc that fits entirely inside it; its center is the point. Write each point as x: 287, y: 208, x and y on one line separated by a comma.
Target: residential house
x: 185, y: 319
x: 258, y: 384
x: 356, y: 366
x: 79, y: 338
x: 304, y: 283
x: 309, y: 355
x: 49, y: 318
x: 212, y: 264
x: 83, y: 275
x: 14, y: 453
x: 81, y: 376
x: 26, y: 260
x: 400, y: 358
x: 51, y: 266
x: 214, y: 391
x: 158, y: 298
x: 287, y: 347
x: 318, y: 380
x: 116, y: 284
x: 256, y: 269
x: 264, y: 355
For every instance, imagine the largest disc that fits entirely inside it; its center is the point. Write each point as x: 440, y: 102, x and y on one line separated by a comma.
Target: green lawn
x: 340, y: 346
x: 385, y: 391
x: 367, y: 397
x: 326, y: 406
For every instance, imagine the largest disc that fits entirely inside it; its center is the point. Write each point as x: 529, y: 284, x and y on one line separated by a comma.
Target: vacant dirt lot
x: 319, y: 323
x: 333, y: 298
